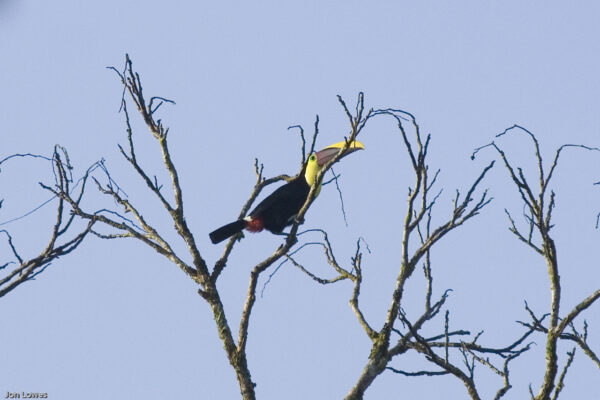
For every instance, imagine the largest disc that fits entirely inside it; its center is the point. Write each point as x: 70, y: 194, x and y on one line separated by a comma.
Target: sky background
x: 114, y: 320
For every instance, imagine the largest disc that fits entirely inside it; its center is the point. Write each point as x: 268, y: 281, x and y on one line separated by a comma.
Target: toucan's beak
x: 325, y: 155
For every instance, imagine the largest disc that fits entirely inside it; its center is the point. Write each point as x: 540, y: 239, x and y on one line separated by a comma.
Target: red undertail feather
x: 254, y: 225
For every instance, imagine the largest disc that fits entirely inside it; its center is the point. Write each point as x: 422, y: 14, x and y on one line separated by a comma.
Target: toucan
x: 280, y: 208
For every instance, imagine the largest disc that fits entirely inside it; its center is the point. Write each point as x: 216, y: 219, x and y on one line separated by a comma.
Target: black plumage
x: 274, y: 213
x: 279, y: 209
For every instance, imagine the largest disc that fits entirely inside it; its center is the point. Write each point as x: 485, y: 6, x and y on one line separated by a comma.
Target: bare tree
x: 539, y: 203
x: 64, y: 236
x: 417, y: 227
x: 139, y: 227
x: 400, y: 334
x: 453, y: 352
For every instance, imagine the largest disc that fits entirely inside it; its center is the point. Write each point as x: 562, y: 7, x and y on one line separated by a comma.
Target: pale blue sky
x: 116, y: 321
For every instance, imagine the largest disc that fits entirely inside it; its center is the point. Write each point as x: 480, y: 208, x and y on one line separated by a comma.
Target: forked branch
x: 64, y: 236
x: 539, y: 203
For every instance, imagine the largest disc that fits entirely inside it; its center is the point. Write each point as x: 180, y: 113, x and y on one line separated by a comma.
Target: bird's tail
x: 218, y: 235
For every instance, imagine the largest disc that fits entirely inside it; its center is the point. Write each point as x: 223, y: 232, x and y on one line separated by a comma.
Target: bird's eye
x: 313, y: 157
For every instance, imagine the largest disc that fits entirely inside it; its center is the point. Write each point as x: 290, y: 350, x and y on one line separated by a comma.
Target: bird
x: 280, y: 208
